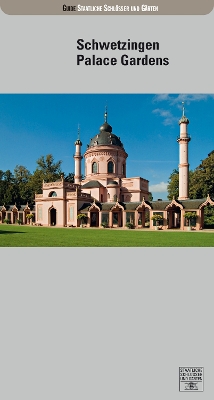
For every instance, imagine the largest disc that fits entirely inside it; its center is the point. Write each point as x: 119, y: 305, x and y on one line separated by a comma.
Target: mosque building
x: 106, y: 196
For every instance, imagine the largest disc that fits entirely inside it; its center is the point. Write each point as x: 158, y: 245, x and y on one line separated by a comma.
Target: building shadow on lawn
x: 11, y: 233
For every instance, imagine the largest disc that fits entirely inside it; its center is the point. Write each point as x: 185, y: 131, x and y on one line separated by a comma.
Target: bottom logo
x: 191, y: 379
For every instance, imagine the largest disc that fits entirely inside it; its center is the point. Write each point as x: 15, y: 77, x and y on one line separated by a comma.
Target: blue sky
x: 32, y: 125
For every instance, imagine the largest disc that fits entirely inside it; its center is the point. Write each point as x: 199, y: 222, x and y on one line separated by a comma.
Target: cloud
x: 168, y: 118
x: 187, y: 98
x: 176, y: 101
x: 161, y: 97
x: 159, y: 187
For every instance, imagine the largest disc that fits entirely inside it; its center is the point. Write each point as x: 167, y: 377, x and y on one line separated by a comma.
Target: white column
x: 183, y: 141
x: 77, y: 161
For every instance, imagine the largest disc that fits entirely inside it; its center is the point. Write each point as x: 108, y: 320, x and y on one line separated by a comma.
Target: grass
x: 31, y: 236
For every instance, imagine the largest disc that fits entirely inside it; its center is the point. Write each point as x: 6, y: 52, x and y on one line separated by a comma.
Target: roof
x: 183, y: 119
x: 105, y: 136
x: 10, y: 207
x: 92, y: 184
x: 158, y: 205
x: 193, y: 203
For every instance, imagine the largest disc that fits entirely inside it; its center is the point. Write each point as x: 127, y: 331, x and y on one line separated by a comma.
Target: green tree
x: 35, y: 182
x: 202, y: 182
x: 21, y: 184
x: 150, y: 197
x: 7, y: 189
x: 50, y: 170
x: 46, y: 170
x: 173, y: 185
x: 69, y: 177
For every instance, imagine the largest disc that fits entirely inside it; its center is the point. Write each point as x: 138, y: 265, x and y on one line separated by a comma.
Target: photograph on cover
x: 139, y: 162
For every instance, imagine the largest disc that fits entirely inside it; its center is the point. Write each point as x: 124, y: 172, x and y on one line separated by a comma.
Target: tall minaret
x: 77, y: 159
x: 183, y: 141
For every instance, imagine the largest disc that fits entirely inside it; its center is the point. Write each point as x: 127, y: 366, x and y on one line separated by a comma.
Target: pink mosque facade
x: 107, y: 196
x: 105, y: 189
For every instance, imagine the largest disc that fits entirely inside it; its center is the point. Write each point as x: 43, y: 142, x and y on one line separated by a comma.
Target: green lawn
x: 32, y: 236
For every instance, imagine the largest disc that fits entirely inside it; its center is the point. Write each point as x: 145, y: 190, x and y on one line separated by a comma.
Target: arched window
x: 52, y: 194
x: 110, y: 167
x: 94, y: 168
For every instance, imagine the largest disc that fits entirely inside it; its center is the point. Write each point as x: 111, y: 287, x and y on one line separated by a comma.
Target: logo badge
x: 191, y: 379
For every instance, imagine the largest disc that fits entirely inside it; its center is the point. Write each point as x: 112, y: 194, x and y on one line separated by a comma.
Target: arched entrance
x: 26, y: 212
x: 143, y: 210
x: 3, y: 214
x: 52, y: 216
x: 14, y: 214
x: 206, y: 214
x: 94, y: 215
x: 174, y: 215
x: 116, y: 219
x: 94, y: 219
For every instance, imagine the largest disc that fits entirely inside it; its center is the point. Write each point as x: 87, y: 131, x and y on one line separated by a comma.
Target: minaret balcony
x: 185, y: 138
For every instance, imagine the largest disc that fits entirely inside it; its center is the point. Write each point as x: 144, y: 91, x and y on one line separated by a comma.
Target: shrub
x: 157, y: 218
x: 130, y: 225
x: 190, y: 216
x: 83, y: 218
x: 104, y: 224
x: 29, y: 216
x: 6, y: 221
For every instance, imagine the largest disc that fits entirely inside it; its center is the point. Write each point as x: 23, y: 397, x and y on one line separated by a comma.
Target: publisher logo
x: 191, y: 379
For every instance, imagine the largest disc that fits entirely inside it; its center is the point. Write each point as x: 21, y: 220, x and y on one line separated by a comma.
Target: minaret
x: 77, y: 159
x: 183, y: 141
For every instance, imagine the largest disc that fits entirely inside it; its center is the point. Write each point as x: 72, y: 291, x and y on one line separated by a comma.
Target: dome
x: 183, y: 120
x: 105, y: 136
x: 106, y: 127
x: 78, y: 141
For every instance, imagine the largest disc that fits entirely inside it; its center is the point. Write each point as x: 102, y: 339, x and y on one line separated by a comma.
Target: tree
x: 50, y: 170
x: 7, y: 190
x: 46, y: 170
x: 21, y: 184
x: 21, y: 174
x: 201, y: 180
x: 69, y: 177
x: 150, y: 197
x: 173, y: 185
